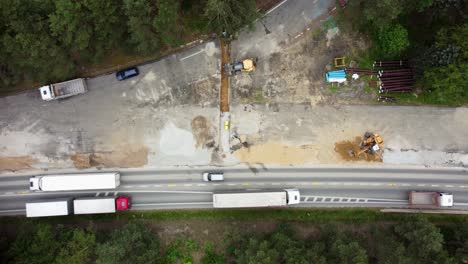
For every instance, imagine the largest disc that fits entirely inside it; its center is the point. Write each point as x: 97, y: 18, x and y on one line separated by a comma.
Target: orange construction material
x: 224, y: 93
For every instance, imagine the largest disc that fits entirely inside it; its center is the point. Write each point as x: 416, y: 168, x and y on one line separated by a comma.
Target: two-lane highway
x: 320, y: 187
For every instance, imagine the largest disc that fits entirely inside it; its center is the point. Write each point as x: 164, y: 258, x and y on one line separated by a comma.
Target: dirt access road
x: 169, y: 115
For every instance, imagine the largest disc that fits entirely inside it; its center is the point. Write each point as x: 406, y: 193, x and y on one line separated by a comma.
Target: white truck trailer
x: 94, y: 205
x: 73, y: 182
x: 430, y: 199
x: 63, y: 89
x: 257, y: 198
x: 43, y: 208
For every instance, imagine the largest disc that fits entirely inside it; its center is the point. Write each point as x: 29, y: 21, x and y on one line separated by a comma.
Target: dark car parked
x: 127, y: 73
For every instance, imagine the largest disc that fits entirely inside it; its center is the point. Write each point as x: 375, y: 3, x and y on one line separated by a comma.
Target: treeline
x: 49, y: 40
x: 432, y: 34
x: 414, y: 240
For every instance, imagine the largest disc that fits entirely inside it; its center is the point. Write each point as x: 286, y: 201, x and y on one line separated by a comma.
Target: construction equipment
x: 371, y: 144
x: 246, y: 65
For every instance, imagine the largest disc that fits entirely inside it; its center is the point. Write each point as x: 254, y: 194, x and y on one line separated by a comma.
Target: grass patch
x: 291, y: 214
x: 333, y: 87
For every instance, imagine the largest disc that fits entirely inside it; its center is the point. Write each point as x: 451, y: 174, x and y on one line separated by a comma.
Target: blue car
x: 127, y: 73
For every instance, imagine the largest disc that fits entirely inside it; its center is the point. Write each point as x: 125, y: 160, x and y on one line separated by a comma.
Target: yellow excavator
x: 371, y: 144
x: 246, y: 65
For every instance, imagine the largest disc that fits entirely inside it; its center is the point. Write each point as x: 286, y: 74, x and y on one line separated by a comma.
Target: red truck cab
x: 123, y: 203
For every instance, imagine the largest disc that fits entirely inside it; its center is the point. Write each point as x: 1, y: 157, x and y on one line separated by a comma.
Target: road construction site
x: 282, y: 113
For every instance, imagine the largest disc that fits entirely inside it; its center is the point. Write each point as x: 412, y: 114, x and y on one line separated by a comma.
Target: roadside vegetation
x: 98, y: 239
x: 54, y: 40
x: 431, y: 34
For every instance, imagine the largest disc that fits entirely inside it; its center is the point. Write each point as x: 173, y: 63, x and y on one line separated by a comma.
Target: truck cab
x: 445, y: 199
x: 34, y: 184
x: 294, y: 197
x: 122, y: 203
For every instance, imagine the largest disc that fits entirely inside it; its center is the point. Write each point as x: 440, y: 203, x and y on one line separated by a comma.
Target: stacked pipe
x: 361, y: 71
x: 396, y: 81
x: 391, y: 64
x: 386, y: 99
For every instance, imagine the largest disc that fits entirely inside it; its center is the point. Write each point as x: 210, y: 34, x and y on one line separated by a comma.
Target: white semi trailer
x: 257, y: 198
x: 42, y: 208
x: 73, y: 182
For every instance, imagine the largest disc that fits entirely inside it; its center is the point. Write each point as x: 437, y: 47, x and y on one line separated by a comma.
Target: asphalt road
x: 319, y: 187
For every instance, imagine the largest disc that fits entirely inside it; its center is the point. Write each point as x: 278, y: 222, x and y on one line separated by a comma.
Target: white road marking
x: 115, y: 193
x: 127, y: 186
x: 157, y: 185
x: 231, y: 184
x: 216, y: 184
x: 187, y: 185
x: 275, y: 183
x: 435, y: 185
x: 363, y: 184
x: 97, y: 194
x: 421, y: 185
x: 107, y: 193
x: 169, y: 204
x: 449, y: 186
x: 201, y: 184
x: 191, y: 55
x: 143, y: 186
x: 406, y: 184
x: 13, y: 210
x: 274, y: 8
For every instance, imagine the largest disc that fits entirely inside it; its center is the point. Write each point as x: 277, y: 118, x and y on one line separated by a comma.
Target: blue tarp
x: 335, y: 76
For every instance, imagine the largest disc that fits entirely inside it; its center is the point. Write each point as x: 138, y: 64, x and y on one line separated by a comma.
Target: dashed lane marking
x: 392, y: 184
x: 245, y: 184
x: 157, y: 185
x: 97, y: 194
x: 127, y: 187
x: 201, y: 184
x: 107, y: 193
x: 171, y: 185
x: 143, y: 186
x: 187, y: 185
x: 435, y: 185
x: 231, y: 184
x: 275, y: 183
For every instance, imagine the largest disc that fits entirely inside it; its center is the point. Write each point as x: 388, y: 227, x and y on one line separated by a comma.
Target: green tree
x: 133, y: 244
x: 392, y: 41
x: 447, y: 84
x: 28, y: 48
x: 211, y: 257
x: 143, y: 35
x: 79, y: 248
x: 388, y: 250
x: 257, y: 251
x: 89, y: 27
x: 423, y: 240
x: 37, y: 247
x: 166, y: 22
x: 226, y: 17
x: 381, y: 14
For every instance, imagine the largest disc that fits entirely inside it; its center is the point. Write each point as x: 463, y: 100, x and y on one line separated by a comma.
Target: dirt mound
x: 127, y: 158
x: 346, y: 148
x: 201, y: 130
x: 16, y: 163
x: 81, y: 161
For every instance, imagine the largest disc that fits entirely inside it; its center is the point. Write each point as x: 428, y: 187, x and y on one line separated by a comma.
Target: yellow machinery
x: 246, y: 65
x: 371, y: 143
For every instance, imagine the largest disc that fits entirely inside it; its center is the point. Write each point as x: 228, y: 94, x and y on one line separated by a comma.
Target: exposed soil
x: 276, y: 153
x: 81, y: 161
x: 16, y: 163
x: 347, y: 148
x: 202, y: 132
x: 129, y: 157
x: 296, y: 73
x: 225, y: 58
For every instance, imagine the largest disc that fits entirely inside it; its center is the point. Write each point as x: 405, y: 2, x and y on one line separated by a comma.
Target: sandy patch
x: 276, y: 153
x: 129, y: 157
x: 16, y: 163
x: 346, y: 148
x: 202, y: 132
